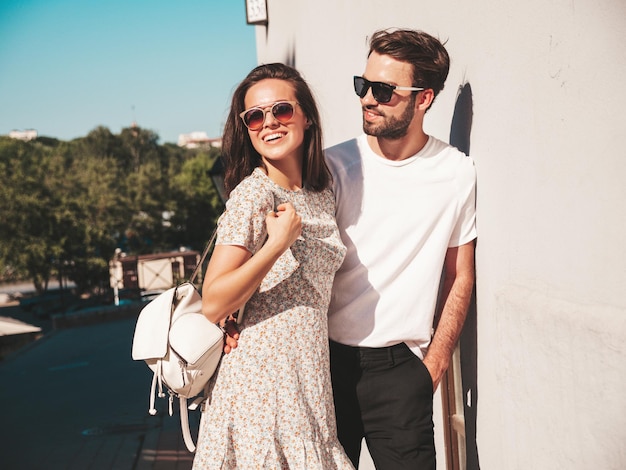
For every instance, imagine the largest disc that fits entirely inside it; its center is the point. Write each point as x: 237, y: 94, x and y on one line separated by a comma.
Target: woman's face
x: 275, y: 140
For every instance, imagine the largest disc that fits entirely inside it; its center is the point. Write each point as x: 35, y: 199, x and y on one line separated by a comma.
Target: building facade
x: 535, y: 96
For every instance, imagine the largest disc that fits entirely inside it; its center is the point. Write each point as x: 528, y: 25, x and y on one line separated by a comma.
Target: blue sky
x: 68, y: 66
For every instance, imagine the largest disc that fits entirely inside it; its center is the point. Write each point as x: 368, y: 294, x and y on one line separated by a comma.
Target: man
x: 406, y: 211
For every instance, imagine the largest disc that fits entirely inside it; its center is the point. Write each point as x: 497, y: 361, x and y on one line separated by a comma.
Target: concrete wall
x: 548, y: 97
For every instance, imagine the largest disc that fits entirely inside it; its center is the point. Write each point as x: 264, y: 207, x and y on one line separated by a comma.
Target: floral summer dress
x: 270, y: 404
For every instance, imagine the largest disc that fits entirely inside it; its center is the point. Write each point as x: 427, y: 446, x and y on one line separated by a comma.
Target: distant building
x: 198, y: 139
x: 26, y: 135
x: 157, y: 271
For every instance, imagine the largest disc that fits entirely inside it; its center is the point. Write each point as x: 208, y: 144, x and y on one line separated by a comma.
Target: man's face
x: 388, y: 120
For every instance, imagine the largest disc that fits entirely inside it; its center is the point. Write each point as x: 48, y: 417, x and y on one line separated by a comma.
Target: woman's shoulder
x: 254, y: 180
x: 243, y: 221
x: 253, y: 189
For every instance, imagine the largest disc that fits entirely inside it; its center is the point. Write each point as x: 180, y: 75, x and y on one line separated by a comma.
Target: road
x: 75, y: 400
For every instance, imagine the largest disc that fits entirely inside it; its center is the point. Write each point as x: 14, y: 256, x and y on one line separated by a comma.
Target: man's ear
x: 425, y: 99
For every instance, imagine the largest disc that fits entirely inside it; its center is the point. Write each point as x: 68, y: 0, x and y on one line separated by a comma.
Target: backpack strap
x: 199, y: 401
x: 152, y: 410
x: 184, y: 424
x: 157, y: 378
x: 207, y: 248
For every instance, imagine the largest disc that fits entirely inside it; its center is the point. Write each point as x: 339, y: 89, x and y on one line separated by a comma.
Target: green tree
x: 66, y: 206
x: 29, y: 228
x: 198, y: 205
x: 97, y: 211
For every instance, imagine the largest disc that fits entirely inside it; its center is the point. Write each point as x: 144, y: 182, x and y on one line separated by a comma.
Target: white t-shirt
x: 397, y: 219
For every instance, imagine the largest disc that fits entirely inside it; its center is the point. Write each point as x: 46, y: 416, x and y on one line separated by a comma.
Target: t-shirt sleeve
x: 465, y: 229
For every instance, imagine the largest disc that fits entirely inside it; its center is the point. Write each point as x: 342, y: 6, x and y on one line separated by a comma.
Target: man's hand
x: 232, y: 336
x: 436, y: 373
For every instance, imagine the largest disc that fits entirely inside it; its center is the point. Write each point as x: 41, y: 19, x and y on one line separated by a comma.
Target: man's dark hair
x: 425, y: 53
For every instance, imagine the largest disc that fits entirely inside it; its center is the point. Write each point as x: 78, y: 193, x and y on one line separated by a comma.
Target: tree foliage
x: 66, y: 206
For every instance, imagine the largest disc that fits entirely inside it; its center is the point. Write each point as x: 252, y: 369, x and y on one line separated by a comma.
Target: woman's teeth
x: 271, y: 137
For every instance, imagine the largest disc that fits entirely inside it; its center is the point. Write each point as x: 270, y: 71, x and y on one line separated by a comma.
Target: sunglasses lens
x: 283, y: 112
x: 254, y: 118
x: 360, y: 88
x: 382, y: 92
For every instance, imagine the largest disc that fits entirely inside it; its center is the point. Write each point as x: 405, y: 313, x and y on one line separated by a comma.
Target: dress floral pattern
x: 270, y: 404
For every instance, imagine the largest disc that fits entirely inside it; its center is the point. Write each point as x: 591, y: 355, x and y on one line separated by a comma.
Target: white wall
x: 548, y: 140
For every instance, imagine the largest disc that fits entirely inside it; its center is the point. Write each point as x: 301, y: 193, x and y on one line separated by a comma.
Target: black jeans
x: 386, y: 396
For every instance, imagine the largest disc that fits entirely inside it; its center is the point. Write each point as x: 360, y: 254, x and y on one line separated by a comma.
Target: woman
x: 270, y: 403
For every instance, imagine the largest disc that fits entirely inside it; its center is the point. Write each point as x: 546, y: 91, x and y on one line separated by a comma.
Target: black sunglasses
x: 282, y: 111
x: 382, y: 92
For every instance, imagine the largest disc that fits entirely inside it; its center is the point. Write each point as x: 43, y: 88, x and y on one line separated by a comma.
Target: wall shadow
x: 460, y: 131
x: 290, y: 56
x: 461, y: 126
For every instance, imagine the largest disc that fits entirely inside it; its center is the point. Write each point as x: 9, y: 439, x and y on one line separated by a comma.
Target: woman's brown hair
x: 239, y: 156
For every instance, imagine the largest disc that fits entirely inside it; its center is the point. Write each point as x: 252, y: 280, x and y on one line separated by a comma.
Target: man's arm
x: 456, y: 294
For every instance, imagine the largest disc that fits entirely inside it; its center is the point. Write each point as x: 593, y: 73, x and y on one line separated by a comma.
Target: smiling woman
x: 271, y: 406
x: 281, y: 105
x: 277, y: 138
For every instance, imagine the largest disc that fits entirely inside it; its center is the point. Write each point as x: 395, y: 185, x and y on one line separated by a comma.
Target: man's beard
x: 392, y: 127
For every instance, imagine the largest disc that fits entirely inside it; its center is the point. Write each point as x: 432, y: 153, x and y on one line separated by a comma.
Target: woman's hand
x: 231, y: 339
x: 233, y: 274
x: 283, y: 226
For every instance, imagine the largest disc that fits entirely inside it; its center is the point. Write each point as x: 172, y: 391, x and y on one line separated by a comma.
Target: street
x: 75, y: 400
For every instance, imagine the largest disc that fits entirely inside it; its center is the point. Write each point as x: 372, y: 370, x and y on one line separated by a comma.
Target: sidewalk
x: 163, y: 448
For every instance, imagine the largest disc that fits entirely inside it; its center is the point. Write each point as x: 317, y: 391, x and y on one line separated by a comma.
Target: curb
x: 96, y: 315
